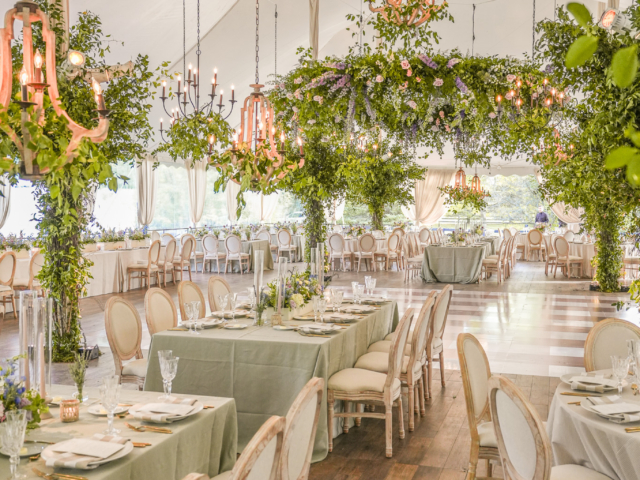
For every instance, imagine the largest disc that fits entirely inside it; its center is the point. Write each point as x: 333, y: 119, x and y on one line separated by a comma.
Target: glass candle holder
x: 70, y: 410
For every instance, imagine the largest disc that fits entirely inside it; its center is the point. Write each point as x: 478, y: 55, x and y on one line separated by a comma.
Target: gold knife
x: 57, y: 476
x: 579, y: 394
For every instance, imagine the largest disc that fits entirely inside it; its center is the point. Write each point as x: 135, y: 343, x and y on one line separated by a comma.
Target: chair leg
x: 400, y: 417
x: 430, y: 377
x: 411, y: 413
x: 190, y: 271
x: 359, y: 408
x: 345, y: 425
x: 388, y: 427
x: 424, y: 380
x: 330, y: 402
x: 489, y: 468
x: 442, y: 368
x: 421, y: 397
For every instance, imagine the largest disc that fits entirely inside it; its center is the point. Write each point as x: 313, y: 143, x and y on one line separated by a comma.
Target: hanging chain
x: 184, y: 39
x: 360, y: 42
x: 198, y: 17
x: 275, y: 65
x: 533, y: 33
x: 257, y: 39
x: 555, y: 10
x: 473, y: 30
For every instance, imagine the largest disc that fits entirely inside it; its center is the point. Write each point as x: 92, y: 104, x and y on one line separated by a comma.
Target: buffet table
x: 264, y: 369
x: 205, y: 442
x: 452, y: 264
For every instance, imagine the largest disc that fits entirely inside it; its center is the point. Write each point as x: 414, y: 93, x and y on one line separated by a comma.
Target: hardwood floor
x: 533, y: 328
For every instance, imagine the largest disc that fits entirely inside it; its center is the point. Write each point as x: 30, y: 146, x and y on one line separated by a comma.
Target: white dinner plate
x: 128, y: 447
x: 284, y: 327
x: 99, y: 411
x: 566, y: 378
x: 235, y: 326
x: 340, y: 318
x: 197, y: 407
x: 29, y: 449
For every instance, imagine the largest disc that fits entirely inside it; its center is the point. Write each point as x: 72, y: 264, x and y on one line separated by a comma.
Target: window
x: 22, y: 208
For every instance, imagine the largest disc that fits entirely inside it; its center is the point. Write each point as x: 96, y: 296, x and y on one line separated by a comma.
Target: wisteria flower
x: 409, y: 73
x: 441, y: 114
x: 428, y: 61
x: 412, y: 104
x: 434, y: 128
x: 379, y: 79
x: 452, y: 62
x: 405, y: 64
x: 438, y: 82
x: 511, y: 78
x: 298, y: 80
x: 461, y: 86
x: 492, y: 115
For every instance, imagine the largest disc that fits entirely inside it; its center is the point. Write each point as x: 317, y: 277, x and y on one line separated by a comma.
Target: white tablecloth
x: 523, y: 239
x: 587, y: 251
x: 582, y: 438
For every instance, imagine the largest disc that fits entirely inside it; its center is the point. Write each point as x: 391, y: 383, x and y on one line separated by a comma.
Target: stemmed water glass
x: 188, y: 311
x: 195, y: 314
x: 252, y: 297
x: 168, y: 370
x: 110, y: 395
x: 222, y: 300
x: 620, y: 369
x: 354, y: 289
x: 12, y: 432
x: 372, y: 285
x: 322, y: 307
x: 337, y: 300
x: 232, y: 298
x: 367, y: 283
x: 315, y: 302
x: 360, y: 289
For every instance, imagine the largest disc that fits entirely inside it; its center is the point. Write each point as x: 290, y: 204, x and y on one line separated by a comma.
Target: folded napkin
x: 163, y: 412
x: 340, y: 316
x: 236, y: 313
x: 358, y: 308
x: 318, y: 328
x: 613, y: 408
x: 83, y: 453
x: 593, y: 382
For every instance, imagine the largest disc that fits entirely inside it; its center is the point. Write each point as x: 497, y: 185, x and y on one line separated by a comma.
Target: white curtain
x: 335, y: 211
x: 429, y: 205
x: 314, y: 19
x: 568, y: 215
x: 5, y: 201
x: 147, y: 186
x: 232, y: 203
x: 197, y: 180
x: 268, y: 204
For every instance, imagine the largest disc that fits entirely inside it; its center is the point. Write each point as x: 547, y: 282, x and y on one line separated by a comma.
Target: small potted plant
x: 78, y: 369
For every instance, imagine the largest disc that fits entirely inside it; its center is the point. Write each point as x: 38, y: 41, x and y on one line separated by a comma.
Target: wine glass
x: 252, y: 297
x: 188, y: 309
x: 163, y: 355
x: 367, y: 283
x: 12, y: 432
x: 372, y: 285
x: 315, y: 299
x: 354, y: 289
x: 232, y: 299
x: 620, y: 369
x: 322, y: 307
x: 337, y: 300
x: 195, y: 314
x: 360, y: 289
x: 222, y: 300
x: 168, y: 369
x: 110, y: 395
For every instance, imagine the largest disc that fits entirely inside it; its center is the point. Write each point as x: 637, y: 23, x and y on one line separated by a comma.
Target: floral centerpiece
x: 479, y: 230
x: 282, y: 225
x: 298, y: 290
x: 14, y: 395
x: 199, y: 232
x: 402, y: 225
x: 19, y: 244
x: 458, y: 236
x: 541, y: 226
x: 233, y: 231
x: 356, y: 230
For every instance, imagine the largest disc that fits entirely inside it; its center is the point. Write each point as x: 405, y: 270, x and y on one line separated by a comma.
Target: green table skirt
x: 452, y: 264
x: 264, y: 369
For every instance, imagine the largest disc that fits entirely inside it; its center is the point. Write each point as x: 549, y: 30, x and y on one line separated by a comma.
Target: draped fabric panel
x: 5, y: 201
x: 232, y: 203
x: 564, y: 213
x: 314, y: 22
x: 268, y: 204
x: 197, y: 181
x: 147, y: 187
x: 429, y: 207
x: 335, y: 211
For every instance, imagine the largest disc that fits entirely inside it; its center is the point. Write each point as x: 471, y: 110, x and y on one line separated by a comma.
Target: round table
x: 586, y: 251
x: 582, y: 438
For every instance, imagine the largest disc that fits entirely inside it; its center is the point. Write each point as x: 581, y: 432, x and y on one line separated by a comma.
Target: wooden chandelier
x: 392, y: 11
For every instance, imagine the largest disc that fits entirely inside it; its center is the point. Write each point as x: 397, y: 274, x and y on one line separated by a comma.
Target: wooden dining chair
x: 550, y: 255
x: 435, y: 343
x: 211, y: 245
x: 234, y: 253
x: 569, y: 236
x: 195, y: 255
x: 300, y: 433
x: 184, y: 259
x: 535, y: 243
x: 217, y: 286
x: 411, y: 373
x: 159, y: 311
x: 8, y: 262
x: 260, y: 459
x: 190, y: 292
x: 32, y: 283
x: 124, y: 333
x: 563, y: 258
x: 608, y: 337
x: 412, y: 258
x: 155, y: 235
x: 495, y: 264
x: 366, y: 249
x: 523, y: 443
x: 424, y: 237
x: 284, y: 244
x: 338, y: 251
x: 475, y: 373
x: 166, y: 238
x: 393, y: 251
x: 166, y: 265
x: 146, y: 269
x: 359, y: 386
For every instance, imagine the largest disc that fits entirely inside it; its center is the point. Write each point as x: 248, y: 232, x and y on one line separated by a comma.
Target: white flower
x: 434, y: 128
x: 295, y: 109
x: 492, y: 115
x: 318, y: 99
x: 290, y: 96
x: 511, y: 78
x: 298, y: 80
x: 412, y: 104
x: 438, y: 82
x: 311, y: 122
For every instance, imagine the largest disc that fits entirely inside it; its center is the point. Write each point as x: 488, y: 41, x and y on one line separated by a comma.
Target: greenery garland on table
x: 62, y: 195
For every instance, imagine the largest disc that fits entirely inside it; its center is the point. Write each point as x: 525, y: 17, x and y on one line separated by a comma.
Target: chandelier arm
x: 6, y: 80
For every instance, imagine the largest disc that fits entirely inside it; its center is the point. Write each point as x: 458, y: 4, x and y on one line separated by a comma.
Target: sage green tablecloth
x: 264, y: 369
x: 205, y: 442
x: 452, y: 264
x: 494, y: 244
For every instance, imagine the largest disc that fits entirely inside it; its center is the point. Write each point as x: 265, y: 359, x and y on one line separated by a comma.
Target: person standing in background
x: 541, y: 216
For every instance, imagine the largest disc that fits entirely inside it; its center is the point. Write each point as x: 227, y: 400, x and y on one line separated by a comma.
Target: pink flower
x: 405, y: 64
x: 437, y: 121
x: 298, y: 80
x: 379, y: 79
x: 492, y: 115
x: 409, y: 73
x: 418, y: 79
x: 412, y: 104
x: 318, y: 99
x: 438, y: 82
x: 403, y: 86
x: 290, y: 96
x: 441, y: 114
x: 447, y: 128
x: 508, y: 96
x: 511, y: 78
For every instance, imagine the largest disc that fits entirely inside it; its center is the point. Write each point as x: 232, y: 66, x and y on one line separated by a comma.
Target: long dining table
x: 264, y: 369
x: 451, y: 264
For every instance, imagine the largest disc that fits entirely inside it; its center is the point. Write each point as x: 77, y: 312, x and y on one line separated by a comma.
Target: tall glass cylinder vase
x: 36, y: 332
x: 276, y: 319
x: 258, y: 271
x: 313, y: 263
x: 320, y: 263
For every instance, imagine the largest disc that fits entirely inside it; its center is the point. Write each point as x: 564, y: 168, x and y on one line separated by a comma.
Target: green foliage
x: 463, y: 197
x: 14, y: 395
x: 581, y: 51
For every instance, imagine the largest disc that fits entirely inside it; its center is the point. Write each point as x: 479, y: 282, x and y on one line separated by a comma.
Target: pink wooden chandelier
x: 392, y: 11
x: 33, y: 81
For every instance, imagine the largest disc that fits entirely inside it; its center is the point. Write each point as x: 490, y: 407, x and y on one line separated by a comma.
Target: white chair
x: 475, y: 373
x: 217, y: 286
x: 495, y: 264
x: 394, y: 251
x: 233, y: 244
x: 563, y: 259
x: 299, y: 436
x: 523, y: 443
x: 32, y: 283
x: 159, y: 311
x: 166, y: 238
x: 166, y: 266
x: 507, y: 234
x: 124, y: 333
x: 337, y: 250
x: 284, y: 244
x: 412, y: 258
x: 146, y: 269
x: 569, y: 236
x: 195, y: 255
x: 366, y: 247
x: 535, y: 243
x: 264, y: 234
x: 155, y: 235
x: 424, y: 237
x: 210, y: 246
x: 8, y: 263
x: 190, y: 292
x: 184, y: 259
x: 260, y: 459
x: 359, y: 386
x: 608, y: 337
x: 378, y: 234
x: 550, y: 255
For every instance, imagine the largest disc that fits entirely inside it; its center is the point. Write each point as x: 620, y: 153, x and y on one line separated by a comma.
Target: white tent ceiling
x: 227, y: 31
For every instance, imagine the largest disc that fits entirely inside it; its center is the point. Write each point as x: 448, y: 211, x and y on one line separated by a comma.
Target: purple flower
x: 428, y: 61
x: 461, y: 86
x: 452, y: 62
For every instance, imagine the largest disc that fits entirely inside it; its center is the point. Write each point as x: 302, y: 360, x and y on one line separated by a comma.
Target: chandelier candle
x: 37, y: 63
x: 24, y: 78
